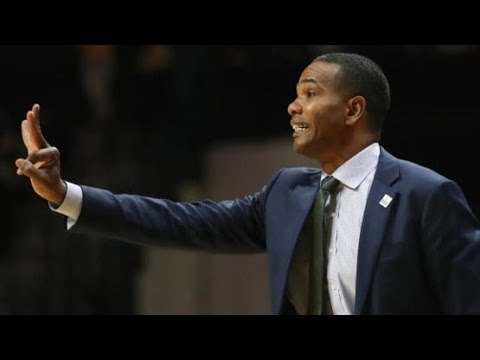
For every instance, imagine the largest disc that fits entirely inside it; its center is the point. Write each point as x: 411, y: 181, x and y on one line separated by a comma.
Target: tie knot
x: 329, y: 184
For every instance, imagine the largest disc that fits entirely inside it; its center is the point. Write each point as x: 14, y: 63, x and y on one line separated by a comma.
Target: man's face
x: 318, y: 113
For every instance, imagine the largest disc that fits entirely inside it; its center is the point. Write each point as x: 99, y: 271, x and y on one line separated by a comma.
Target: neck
x: 332, y: 160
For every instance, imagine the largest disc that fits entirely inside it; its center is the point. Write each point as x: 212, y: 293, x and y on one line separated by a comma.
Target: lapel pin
x: 386, y: 200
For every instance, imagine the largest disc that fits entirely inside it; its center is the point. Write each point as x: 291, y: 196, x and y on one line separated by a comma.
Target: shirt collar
x: 355, y: 170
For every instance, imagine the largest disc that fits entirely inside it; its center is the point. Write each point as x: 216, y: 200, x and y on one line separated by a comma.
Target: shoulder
x: 419, y: 184
x: 419, y: 172
x: 294, y: 176
x: 299, y: 171
x: 297, y: 174
x: 410, y: 171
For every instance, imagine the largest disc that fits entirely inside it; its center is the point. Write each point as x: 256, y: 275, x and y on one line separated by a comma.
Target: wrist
x: 60, y: 194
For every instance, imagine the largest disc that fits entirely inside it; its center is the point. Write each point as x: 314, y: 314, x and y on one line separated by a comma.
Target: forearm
x: 227, y: 227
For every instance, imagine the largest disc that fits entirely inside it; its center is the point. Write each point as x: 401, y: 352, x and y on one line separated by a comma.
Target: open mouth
x: 299, y: 129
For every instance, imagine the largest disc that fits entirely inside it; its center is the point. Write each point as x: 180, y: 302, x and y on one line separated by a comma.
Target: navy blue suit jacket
x: 420, y: 255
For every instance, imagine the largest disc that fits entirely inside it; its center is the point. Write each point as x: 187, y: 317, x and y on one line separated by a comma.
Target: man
x: 398, y: 238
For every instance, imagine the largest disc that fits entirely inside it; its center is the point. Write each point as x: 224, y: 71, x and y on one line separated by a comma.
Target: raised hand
x: 42, y: 164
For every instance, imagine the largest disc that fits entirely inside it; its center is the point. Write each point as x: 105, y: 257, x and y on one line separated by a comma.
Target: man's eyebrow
x: 310, y: 81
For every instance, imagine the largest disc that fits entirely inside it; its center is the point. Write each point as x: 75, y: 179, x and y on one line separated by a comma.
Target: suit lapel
x: 300, y: 202
x: 374, y: 225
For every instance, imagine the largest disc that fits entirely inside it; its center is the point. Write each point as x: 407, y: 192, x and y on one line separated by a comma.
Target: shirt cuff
x: 72, y: 204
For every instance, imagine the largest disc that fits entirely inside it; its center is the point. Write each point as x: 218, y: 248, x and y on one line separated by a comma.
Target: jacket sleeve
x: 451, y: 238
x: 234, y: 226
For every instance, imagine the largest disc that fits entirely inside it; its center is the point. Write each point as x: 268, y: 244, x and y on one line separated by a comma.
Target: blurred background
x: 188, y: 122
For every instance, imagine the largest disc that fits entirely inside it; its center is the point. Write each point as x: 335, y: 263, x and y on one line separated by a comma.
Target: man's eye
x: 311, y: 93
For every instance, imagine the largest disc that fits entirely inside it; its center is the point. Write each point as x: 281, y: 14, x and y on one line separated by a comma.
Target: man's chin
x: 299, y: 148
x: 304, y: 150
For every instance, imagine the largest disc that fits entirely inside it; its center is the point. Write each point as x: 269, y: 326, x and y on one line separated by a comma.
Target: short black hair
x: 360, y: 76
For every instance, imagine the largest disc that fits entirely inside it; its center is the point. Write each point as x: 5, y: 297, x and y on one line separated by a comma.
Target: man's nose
x: 294, y: 108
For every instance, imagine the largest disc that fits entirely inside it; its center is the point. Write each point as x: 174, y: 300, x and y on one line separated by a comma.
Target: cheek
x: 327, y: 123
x: 324, y: 114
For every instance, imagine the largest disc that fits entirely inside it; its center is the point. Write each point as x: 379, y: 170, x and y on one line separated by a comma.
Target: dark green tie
x: 317, y: 272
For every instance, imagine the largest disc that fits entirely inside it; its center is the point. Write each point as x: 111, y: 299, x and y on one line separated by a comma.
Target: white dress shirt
x: 344, y: 225
x: 72, y: 204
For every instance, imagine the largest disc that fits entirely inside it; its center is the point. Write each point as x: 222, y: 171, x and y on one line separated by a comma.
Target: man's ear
x: 356, y: 107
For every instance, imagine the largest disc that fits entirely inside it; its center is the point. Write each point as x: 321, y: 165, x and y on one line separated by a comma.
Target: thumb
x: 26, y: 168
